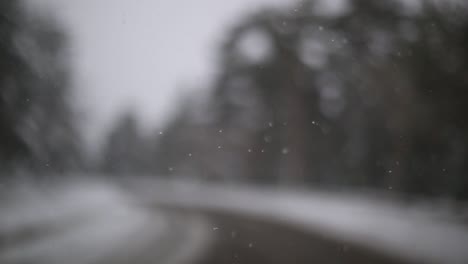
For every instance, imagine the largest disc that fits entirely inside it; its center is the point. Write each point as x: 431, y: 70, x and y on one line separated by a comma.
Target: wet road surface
x: 198, y: 224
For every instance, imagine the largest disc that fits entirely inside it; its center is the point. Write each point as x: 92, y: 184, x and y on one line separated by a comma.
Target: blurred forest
x: 368, y: 94
x: 38, y: 131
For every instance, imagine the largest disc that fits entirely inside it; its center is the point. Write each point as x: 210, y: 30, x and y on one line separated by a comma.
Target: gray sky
x: 143, y: 53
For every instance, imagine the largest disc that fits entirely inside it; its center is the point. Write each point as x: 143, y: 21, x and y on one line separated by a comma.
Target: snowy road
x: 164, y: 222
x: 94, y: 223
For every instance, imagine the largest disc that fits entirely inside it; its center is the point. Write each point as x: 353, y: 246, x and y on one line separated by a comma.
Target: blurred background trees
x: 353, y: 94
x: 37, y: 122
x: 366, y: 94
x: 127, y: 151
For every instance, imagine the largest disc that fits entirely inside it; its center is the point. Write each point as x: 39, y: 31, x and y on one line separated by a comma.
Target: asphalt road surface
x: 252, y: 241
x: 191, y: 223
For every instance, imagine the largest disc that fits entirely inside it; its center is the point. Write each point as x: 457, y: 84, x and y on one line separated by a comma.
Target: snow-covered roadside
x: 412, y: 232
x: 90, y: 222
x: 138, y: 222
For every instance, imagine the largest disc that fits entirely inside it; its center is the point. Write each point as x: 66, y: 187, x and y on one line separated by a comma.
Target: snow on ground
x: 139, y: 221
x: 412, y: 232
x: 89, y: 223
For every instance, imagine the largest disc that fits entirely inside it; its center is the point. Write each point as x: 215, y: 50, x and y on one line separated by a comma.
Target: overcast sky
x: 143, y: 53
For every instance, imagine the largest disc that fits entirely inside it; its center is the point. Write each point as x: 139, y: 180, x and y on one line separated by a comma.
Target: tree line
x: 38, y: 130
x: 371, y: 95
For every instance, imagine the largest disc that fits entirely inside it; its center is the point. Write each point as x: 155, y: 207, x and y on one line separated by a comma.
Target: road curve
x: 94, y: 223
x: 186, y: 223
x: 317, y: 226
